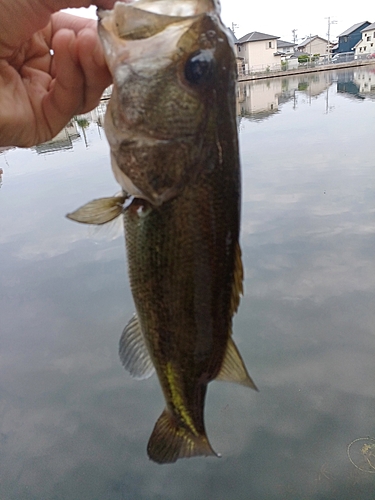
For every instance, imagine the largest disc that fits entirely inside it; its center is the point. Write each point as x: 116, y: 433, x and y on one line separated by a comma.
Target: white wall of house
x: 258, y: 97
x: 292, y: 63
x: 288, y: 50
x: 366, y: 45
x: 259, y: 55
x: 365, y: 81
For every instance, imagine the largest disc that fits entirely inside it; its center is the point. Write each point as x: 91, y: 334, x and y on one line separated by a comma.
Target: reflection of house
x: 315, y: 84
x: 365, y: 80
x: 107, y: 93
x: 366, y: 45
x: 261, y: 99
x: 258, y: 100
x: 350, y: 37
x: 346, y: 85
x: 313, y: 45
x: 312, y: 85
x: 259, y: 52
x: 96, y: 115
x: 63, y: 140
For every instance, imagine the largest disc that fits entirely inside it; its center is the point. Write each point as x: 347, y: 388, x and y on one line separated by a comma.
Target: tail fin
x: 169, y: 441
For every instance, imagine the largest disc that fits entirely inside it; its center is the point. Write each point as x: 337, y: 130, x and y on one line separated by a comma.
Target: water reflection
x: 75, y: 130
x: 72, y: 422
x: 365, y: 80
x: 260, y: 99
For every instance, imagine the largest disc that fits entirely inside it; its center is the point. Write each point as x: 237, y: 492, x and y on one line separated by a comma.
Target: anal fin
x: 169, y: 441
x: 233, y: 368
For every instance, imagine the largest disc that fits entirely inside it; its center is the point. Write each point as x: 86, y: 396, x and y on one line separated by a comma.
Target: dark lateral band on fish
x: 171, y: 126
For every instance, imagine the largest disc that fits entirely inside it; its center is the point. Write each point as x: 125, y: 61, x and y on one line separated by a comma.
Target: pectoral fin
x: 233, y: 368
x: 133, y: 351
x: 99, y: 211
x: 169, y: 441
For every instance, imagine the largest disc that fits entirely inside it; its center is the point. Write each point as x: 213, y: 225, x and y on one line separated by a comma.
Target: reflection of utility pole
x: 234, y: 27
x: 328, y: 36
x: 294, y: 35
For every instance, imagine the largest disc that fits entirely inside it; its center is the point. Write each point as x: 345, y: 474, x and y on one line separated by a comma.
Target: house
x: 258, y: 52
x: 366, y: 46
x: 350, y: 37
x: 313, y: 45
x: 286, y: 48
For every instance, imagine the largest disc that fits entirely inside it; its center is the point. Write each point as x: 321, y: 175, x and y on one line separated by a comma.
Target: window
x: 239, y: 48
x: 270, y: 45
x: 345, y: 39
x: 368, y: 38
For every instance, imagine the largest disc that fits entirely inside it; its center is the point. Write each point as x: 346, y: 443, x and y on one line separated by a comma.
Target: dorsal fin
x: 169, y: 441
x: 133, y: 351
x: 233, y: 368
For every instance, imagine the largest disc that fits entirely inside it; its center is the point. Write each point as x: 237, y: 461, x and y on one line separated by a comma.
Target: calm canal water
x: 74, y: 425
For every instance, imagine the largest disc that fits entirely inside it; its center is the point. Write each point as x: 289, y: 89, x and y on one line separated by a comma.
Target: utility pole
x: 294, y: 35
x: 308, y: 37
x: 234, y: 27
x: 328, y: 36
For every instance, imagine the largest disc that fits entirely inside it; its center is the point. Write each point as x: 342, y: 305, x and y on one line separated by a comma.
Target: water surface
x: 73, y: 424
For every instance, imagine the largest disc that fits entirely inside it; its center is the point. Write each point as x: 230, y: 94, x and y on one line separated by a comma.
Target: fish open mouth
x: 175, y: 8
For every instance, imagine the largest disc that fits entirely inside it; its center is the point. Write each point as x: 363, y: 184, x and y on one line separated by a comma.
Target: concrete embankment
x: 300, y: 71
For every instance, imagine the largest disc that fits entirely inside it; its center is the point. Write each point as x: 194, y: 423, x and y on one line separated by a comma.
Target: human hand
x: 39, y: 91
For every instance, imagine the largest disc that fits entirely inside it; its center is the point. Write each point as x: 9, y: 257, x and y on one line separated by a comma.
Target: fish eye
x: 199, y: 68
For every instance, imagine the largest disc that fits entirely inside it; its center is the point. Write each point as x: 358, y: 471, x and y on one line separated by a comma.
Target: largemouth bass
x: 171, y: 126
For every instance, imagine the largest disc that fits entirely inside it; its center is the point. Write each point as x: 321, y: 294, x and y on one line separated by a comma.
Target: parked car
x: 343, y: 57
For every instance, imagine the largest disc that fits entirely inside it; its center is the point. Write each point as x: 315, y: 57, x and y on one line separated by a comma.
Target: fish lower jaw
x: 156, y: 199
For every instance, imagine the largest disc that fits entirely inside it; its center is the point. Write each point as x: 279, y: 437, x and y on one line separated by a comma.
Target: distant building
x: 314, y: 45
x: 239, y: 60
x: 286, y: 48
x: 366, y: 46
x: 350, y: 37
x: 258, y: 52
